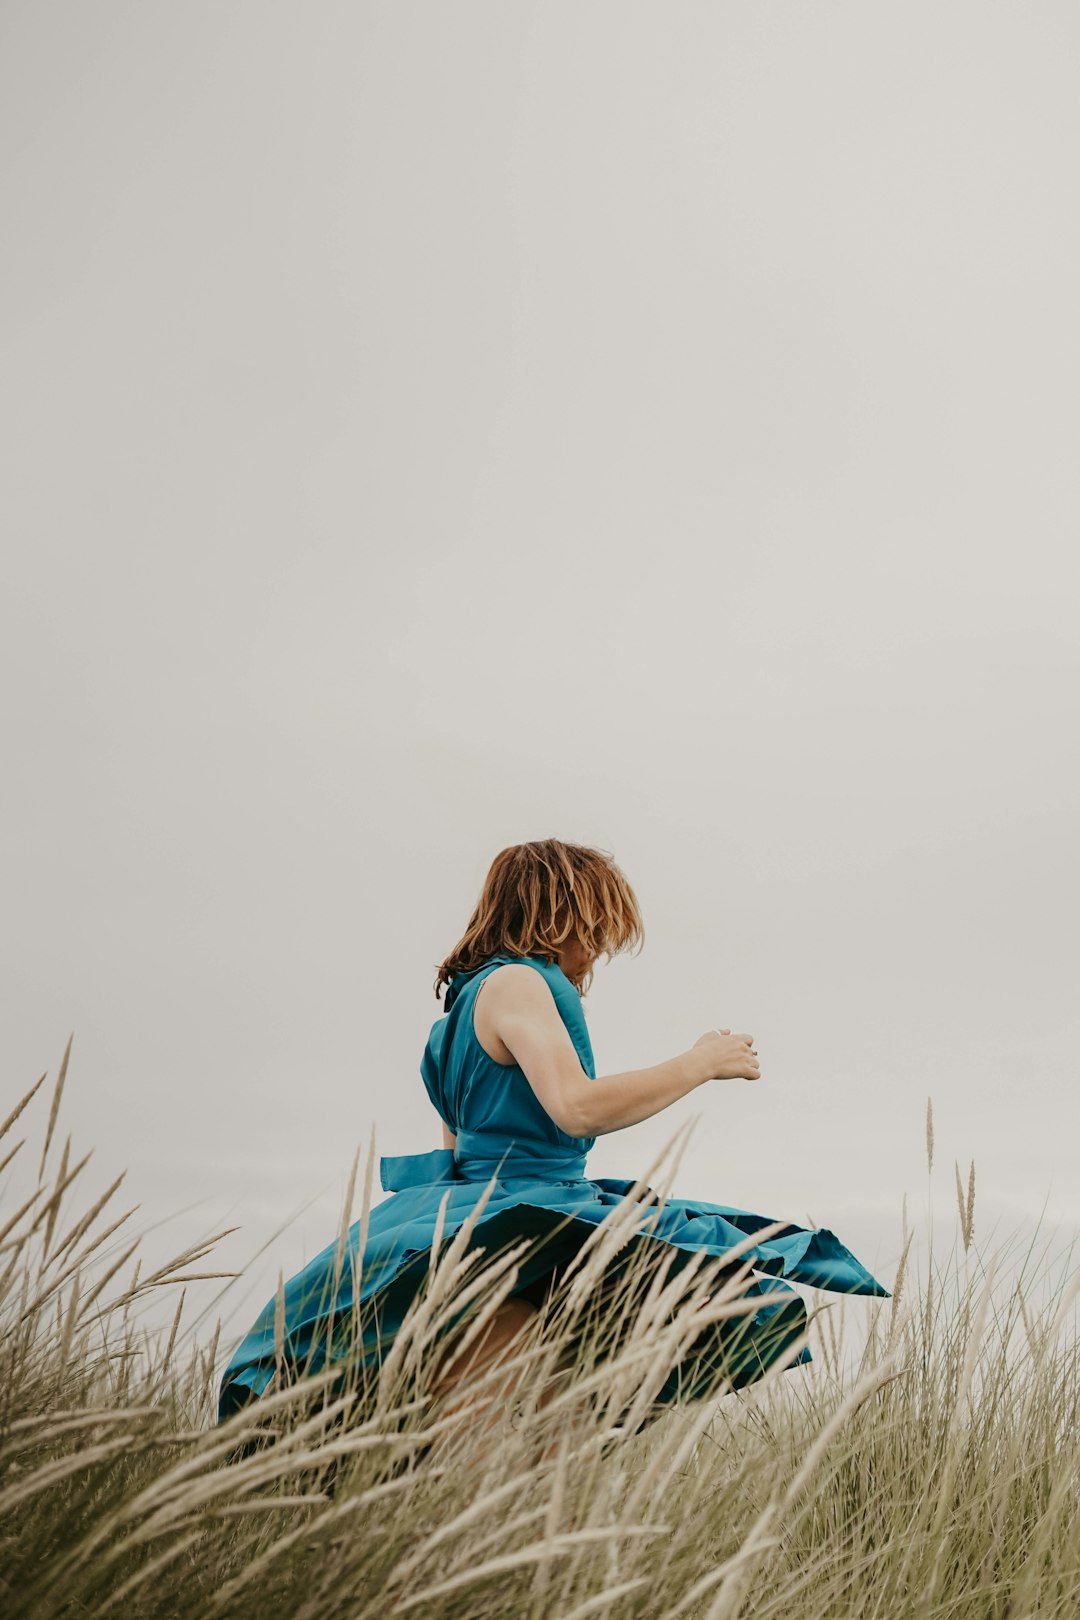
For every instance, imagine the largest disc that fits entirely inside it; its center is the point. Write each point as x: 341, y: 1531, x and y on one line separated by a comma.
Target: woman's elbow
x: 577, y: 1116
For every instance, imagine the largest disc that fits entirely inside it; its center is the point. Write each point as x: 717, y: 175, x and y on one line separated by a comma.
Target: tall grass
x: 934, y: 1473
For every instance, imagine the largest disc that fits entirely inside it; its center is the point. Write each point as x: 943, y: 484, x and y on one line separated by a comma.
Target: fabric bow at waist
x: 463, y: 1163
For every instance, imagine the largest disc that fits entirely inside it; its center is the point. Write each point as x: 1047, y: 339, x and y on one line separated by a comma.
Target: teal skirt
x: 346, y: 1307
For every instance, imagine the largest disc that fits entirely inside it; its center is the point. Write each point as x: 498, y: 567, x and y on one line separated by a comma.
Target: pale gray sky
x: 428, y: 427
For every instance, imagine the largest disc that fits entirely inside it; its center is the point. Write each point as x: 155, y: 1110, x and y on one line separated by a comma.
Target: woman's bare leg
x: 499, y: 1341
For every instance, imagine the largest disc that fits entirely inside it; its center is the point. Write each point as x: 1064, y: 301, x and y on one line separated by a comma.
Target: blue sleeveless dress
x: 543, y: 1192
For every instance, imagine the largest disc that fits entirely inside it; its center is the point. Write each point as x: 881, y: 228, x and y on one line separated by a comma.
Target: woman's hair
x: 536, y: 897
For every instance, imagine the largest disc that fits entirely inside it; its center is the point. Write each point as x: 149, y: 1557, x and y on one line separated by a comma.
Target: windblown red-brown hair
x: 538, y: 896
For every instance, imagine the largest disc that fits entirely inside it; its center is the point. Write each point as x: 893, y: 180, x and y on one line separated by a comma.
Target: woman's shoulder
x: 506, y: 972
x: 517, y: 982
x: 512, y: 976
x: 510, y: 971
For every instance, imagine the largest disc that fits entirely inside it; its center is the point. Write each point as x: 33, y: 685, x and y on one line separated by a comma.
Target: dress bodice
x: 493, y: 1111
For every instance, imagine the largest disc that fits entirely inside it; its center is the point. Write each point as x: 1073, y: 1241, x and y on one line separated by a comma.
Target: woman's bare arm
x: 448, y: 1139
x: 523, y: 1012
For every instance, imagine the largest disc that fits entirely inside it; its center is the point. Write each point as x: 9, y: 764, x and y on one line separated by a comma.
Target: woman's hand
x: 725, y: 1056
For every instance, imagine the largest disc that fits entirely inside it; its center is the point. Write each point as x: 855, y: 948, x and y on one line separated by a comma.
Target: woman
x: 509, y: 1068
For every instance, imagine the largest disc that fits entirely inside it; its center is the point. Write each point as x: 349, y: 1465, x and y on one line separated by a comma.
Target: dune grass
x: 932, y: 1473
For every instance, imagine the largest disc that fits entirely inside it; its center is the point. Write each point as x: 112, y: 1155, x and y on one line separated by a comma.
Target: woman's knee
x: 507, y: 1321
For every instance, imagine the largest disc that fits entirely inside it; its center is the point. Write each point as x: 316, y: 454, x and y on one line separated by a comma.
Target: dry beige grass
x: 937, y: 1476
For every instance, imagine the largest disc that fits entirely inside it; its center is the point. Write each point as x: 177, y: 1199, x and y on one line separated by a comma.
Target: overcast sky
x: 428, y: 427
